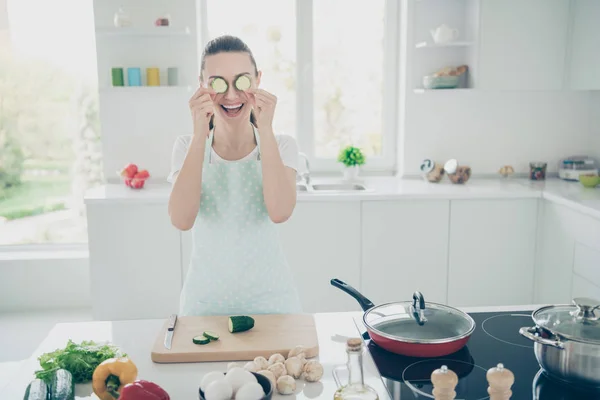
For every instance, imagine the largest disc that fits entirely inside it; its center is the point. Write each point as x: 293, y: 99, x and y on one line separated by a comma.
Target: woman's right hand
x: 202, y: 108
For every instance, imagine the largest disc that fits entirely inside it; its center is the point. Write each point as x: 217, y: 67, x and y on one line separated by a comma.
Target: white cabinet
x: 584, y: 67
x: 568, y: 257
x: 322, y: 241
x: 523, y: 44
x: 492, y: 252
x: 135, y: 264
x: 404, y: 249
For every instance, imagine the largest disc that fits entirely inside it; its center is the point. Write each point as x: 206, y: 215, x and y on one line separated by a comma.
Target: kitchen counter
x: 181, y: 381
x: 571, y: 194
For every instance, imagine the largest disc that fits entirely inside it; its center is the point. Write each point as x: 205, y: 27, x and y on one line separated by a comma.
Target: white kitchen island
x: 181, y: 381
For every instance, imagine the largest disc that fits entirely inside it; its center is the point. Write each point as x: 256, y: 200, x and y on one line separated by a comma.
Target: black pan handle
x: 365, y: 303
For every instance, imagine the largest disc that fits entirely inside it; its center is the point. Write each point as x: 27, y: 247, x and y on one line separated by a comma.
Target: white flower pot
x: 351, y: 173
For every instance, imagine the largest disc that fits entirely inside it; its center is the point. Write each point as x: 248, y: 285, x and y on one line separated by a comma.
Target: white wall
x: 489, y: 129
x: 595, y: 125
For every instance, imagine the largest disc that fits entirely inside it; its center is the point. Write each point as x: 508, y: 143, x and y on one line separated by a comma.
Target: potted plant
x: 352, y: 158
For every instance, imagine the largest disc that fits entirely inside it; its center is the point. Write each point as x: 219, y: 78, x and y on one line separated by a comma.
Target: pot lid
x: 419, y: 321
x: 580, y: 321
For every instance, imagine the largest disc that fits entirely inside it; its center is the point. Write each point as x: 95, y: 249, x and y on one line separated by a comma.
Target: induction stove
x: 496, y: 340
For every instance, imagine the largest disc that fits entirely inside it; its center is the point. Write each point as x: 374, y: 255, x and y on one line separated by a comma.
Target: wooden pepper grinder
x: 444, y: 381
x: 500, y: 381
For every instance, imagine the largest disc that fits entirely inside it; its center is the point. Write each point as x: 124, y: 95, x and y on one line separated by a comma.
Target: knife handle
x: 172, y: 321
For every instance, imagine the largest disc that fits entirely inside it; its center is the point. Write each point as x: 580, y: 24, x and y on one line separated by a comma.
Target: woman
x: 233, y: 180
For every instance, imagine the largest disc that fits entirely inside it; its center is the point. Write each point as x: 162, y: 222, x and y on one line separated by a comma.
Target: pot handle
x: 365, y: 303
x: 532, y: 333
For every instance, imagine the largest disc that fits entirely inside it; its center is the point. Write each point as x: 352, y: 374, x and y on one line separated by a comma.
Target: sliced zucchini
x: 219, y: 85
x: 240, y: 323
x: 37, y: 390
x: 211, y: 335
x: 201, y: 339
x: 242, y: 83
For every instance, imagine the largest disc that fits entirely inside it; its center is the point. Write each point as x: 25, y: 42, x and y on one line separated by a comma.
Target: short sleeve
x: 180, y: 148
x: 288, y: 150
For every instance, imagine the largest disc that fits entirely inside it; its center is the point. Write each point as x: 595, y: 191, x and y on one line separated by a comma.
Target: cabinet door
x: 492, y: 252
x: 322, y: 241
x: 585, y: 46
x: 523, y: 44
x: 405, y: 249
x: 135, y: 264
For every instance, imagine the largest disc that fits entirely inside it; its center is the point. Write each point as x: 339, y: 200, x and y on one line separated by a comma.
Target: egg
x: 237, y: 377
x: 218, y: 390
x: 250, y: 391
x: 209, y: 378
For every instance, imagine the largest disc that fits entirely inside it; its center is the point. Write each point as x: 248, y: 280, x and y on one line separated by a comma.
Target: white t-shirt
x: 288, y: 150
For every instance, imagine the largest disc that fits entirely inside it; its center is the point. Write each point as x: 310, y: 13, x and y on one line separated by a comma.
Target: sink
x: 338, y: 187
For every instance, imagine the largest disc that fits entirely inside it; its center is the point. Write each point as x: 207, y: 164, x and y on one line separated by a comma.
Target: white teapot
x: 444, y: 34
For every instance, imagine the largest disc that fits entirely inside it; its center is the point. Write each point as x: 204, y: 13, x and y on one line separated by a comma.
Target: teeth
x: 232, y: 107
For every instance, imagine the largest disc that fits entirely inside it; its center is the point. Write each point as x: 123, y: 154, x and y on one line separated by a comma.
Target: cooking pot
x: 567, y: 341
x: 413, y: 328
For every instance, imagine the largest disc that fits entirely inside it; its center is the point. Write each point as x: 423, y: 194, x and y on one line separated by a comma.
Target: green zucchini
x: 211, y: 335
x: 242, y: 83
x: 37, y: 390
x: 62, y: 386
x: 240, y: 323
x: 219, y: 85
x: 201, y: 339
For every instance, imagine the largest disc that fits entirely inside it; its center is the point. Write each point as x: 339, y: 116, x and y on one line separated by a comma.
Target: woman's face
x: 234, y: 104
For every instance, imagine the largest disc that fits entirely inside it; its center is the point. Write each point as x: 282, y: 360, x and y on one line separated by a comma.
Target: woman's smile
x: 232, y: 110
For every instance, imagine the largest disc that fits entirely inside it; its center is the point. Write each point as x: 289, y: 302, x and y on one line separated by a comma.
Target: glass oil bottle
x: 355, y: 389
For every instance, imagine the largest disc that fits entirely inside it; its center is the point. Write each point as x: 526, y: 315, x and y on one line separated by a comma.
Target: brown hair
x: 227, y: 44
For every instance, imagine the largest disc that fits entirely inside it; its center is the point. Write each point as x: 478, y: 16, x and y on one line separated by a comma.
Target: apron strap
x: 209, y: 142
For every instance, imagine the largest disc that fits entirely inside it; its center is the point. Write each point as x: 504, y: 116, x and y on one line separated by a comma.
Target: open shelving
x: 143, y: 32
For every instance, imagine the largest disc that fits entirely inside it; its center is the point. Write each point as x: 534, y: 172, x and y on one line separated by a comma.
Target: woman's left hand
x: 264, y: 107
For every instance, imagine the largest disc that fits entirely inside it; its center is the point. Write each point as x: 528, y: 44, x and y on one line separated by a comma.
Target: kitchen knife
x: 170, y: 331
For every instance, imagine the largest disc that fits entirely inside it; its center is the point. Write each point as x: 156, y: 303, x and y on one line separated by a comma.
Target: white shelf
x: 144, y: 89
x: 143, y: 32
x: 425, y: 45
x: 421, y: 90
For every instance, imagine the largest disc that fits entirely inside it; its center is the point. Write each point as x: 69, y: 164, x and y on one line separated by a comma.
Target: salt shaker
x: 444, y: 382
x: 500, y: 381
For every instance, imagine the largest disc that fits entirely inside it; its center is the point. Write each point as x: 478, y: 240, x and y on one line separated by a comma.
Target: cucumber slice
x: 240, y: 323
x: 201, y: 339
x: 211, y: 335
x: 219, y: 85
x: 242, y: 83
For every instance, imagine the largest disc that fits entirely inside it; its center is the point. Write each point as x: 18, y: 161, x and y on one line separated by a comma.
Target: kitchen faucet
x: 305, y: 175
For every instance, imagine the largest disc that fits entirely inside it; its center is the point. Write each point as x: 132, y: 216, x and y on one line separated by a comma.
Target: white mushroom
x: 251, y: 366
x: 270, y: 376
x: 286, y: 384
x: 275, y: 358
x: 261, y: 363
x: 294, y: 366
x: 296, y: 351
x: 278, y: 369
x: 313, y: 371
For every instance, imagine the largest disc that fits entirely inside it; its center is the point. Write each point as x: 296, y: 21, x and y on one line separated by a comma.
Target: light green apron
x: 237, y: 265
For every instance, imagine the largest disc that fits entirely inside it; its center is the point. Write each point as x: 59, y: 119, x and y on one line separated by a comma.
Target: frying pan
x: 413, y: 328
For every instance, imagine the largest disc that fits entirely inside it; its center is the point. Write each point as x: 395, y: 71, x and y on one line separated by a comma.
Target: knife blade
x: 170, y: 331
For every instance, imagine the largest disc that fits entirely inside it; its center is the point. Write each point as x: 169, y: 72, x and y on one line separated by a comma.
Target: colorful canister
x: 117, y: 76
x: 134, y: 77
x: 153, y: 76
x: 172, y: 76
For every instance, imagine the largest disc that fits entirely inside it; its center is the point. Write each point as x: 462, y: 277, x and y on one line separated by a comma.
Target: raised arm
x: 279, y: 181
x: 184, y: 201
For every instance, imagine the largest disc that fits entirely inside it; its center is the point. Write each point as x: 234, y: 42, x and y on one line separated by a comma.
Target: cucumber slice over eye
x: 242, y: 83
x: 219, y: 85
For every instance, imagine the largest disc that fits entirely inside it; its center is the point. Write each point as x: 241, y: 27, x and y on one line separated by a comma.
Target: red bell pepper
x: 143, y: 390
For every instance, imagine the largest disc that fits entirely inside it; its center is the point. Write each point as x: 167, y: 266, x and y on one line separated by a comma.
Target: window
x: 332, y: 65
x: 49, y: 145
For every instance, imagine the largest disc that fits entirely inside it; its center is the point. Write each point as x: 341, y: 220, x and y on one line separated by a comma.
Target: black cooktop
x: 496, y: 340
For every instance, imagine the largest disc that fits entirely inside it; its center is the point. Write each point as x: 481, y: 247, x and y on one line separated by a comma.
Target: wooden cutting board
x: 278, y: 333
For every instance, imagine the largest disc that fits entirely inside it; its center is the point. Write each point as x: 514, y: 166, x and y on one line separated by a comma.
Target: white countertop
x: 181, y: 381
x: 571, y: 194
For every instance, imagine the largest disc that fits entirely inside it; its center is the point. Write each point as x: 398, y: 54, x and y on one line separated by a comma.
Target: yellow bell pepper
x: 111, y: 375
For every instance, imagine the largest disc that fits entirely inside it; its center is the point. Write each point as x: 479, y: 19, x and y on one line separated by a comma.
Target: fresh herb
x: 351, y: 156
x: 79, y: 359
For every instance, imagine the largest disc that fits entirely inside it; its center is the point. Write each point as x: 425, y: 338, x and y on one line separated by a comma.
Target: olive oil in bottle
x: 355, y: 389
